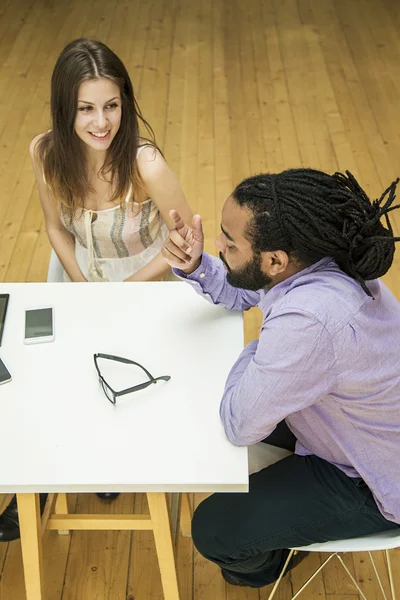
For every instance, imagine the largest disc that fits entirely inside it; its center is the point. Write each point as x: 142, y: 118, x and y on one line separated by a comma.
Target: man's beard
x: 249, y: 277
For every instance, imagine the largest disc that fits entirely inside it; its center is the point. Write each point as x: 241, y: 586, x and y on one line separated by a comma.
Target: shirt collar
x: 280, y: 289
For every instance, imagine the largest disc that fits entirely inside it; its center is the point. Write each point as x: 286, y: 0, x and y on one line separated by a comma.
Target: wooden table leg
x: 186, y: 515
x: 165, y: 550
x: 31, y: 543
x: 62, y: 509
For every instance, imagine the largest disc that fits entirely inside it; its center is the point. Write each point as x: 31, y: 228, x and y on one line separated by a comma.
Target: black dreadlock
x: 311, y: 215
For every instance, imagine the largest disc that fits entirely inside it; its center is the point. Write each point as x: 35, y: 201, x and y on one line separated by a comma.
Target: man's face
x: 243, y: 265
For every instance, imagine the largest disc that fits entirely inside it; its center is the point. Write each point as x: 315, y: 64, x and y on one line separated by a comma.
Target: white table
x: 66, y: 436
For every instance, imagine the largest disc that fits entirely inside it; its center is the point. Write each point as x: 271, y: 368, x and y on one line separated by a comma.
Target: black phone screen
x: 3, y: 311
x: 39, y: 323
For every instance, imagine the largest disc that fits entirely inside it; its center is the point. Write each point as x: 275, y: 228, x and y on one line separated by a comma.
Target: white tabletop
x: 58, y: 430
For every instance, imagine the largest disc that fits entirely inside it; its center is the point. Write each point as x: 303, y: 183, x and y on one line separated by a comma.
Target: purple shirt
x: 327, y: 361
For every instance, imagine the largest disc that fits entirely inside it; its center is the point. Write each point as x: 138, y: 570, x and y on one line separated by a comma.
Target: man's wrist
x: 193, y: 268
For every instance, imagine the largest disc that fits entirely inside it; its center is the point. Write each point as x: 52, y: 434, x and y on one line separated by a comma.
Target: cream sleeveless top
x: 114, y: 243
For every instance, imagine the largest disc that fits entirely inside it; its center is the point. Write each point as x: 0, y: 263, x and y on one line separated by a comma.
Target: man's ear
x: 274, y: 263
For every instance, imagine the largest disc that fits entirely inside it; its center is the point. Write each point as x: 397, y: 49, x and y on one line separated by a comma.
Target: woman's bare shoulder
x: 150, y: 161
x: 34, y: 143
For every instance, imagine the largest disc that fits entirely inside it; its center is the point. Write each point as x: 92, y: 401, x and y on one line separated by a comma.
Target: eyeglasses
x: 111, y: 394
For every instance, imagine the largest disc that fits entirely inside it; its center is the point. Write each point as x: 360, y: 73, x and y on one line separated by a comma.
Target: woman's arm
x: 164, y: 189
x: 155, y: 270
x: 61, y: 240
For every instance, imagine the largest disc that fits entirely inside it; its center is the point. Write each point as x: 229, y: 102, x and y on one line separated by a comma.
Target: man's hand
x: 184, y: 246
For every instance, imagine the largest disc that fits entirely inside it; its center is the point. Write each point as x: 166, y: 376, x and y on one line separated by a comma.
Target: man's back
x: 356, y: 423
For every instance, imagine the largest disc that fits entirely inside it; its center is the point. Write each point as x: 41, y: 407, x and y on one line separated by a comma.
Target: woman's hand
x: 184, y: 246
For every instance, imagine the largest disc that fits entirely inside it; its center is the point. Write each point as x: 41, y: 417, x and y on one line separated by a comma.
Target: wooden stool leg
x: 164, y: 546
x: 186, y: 515
x: 62, y: 509
x: 31, y: 543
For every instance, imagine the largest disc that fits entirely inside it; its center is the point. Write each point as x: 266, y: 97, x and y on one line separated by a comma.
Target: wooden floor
x: 231, y: 87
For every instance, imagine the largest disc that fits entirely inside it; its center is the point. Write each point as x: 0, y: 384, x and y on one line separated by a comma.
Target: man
x: 322, y: 380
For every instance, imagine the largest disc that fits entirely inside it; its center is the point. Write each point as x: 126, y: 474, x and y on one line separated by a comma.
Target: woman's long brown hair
x: 60, y: 150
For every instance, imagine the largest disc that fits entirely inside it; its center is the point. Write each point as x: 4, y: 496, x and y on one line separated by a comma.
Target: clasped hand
x: 184, y: 246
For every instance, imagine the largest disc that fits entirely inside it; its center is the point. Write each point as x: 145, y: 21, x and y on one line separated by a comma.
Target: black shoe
x: 294, y: 561
x: 9, y: 524
x: 107, y: 495
x: 232, y: 579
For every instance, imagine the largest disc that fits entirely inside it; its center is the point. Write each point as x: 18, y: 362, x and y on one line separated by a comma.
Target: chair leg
x: 62, y: 509
x: 352, y: 578
x: 48, y: 510
x: 174, y: 516
x: 377, y: 575
x: 277, y: 582
x: 362, y: 595
x: 186, y: 515
x: 389, y: 566
x: 313, y: 575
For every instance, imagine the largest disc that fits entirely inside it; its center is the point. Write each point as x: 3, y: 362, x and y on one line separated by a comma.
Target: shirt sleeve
x: 209, y: 280
x: 290, y: 368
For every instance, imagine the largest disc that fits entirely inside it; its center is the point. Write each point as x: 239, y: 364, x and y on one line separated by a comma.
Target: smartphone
x: 5, y: 376
x: 4, y: 298
x: 39, y: 325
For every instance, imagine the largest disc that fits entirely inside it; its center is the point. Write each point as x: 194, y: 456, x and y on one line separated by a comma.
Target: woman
x: 105, y: 191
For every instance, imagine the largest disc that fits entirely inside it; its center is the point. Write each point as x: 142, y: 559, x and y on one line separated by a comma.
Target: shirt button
x: 202, y: 275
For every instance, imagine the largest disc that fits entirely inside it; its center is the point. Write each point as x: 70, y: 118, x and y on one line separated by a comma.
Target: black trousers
x: 298, y: 501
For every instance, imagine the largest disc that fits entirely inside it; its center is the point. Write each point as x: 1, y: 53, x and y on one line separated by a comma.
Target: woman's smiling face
x: 99, y: 111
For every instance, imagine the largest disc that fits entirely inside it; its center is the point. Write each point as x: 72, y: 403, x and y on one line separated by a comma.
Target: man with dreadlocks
x: 323, y: 380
